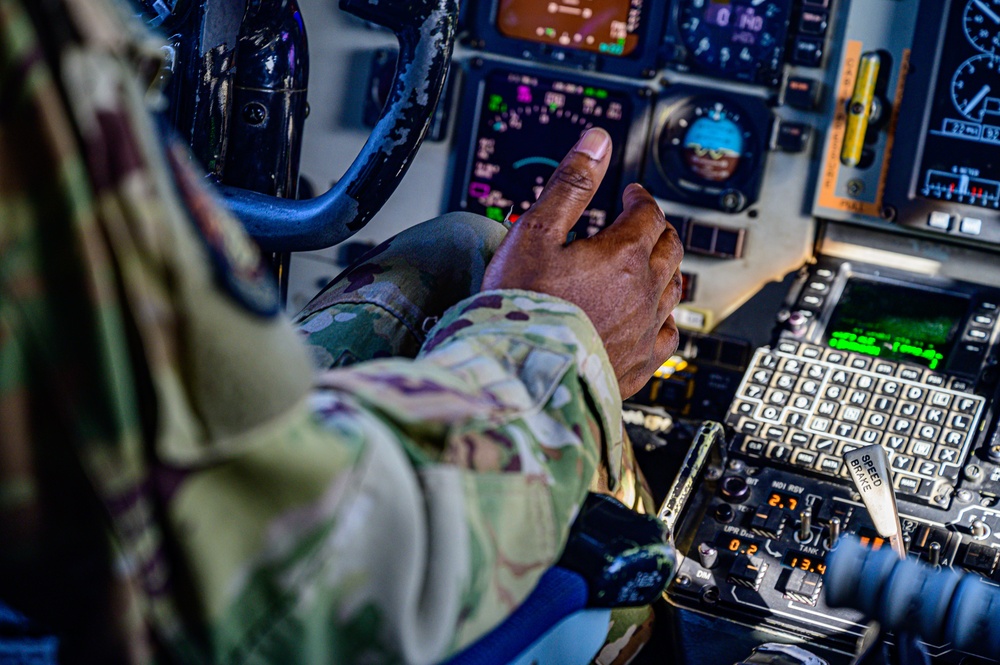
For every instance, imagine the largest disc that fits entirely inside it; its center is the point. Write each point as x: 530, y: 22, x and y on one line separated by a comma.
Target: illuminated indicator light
x: 495, y: 103
x: 495, y: 213
x: 782, y: 501
x: 803, y: 561
x: 479, y: 190
x: 550, y: 32
x: 602, y: 94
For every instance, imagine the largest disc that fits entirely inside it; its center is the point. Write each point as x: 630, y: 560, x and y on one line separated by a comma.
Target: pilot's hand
x: 626, y: 278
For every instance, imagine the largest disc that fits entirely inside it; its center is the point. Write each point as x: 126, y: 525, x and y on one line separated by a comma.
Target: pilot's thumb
x: 571, y: 188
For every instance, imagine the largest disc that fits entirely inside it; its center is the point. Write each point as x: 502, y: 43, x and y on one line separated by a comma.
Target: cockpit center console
x: 864, y: 355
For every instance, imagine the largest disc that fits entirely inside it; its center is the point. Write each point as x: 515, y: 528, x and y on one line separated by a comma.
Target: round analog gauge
x: 734, y: 38
x: 708, y: 141
x: 981, y: 21
x: 975, y: 87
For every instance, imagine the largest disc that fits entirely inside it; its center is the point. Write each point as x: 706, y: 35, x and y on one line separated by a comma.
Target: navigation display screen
x: 610, y: 27
x: 961, y: 155
x: 526, y: 125
x: 896, y: 322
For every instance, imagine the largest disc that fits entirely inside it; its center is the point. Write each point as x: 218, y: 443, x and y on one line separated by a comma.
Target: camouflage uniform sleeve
x: 421, y: 501
x: 256, y: 513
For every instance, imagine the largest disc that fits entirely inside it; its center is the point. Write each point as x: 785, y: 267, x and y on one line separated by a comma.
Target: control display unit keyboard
x: 804, y: 406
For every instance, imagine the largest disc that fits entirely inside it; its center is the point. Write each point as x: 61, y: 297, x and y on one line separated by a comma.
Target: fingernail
x: 595, y: 142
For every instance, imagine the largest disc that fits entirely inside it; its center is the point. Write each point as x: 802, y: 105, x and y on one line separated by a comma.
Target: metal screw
x: 855, y: 187
x: 973, y: 472
x: 965, y: 496
x: 254, y: 113
x: 735, y: 465
x: 683, y: 580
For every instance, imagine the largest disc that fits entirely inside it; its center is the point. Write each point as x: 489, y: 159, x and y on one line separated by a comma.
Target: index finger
x: 570, y: 189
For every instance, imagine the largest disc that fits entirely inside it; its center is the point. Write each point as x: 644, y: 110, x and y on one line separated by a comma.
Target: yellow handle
x: 859, y: 109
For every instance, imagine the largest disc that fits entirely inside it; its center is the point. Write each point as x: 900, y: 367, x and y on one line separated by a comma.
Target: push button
x: 939, y: 220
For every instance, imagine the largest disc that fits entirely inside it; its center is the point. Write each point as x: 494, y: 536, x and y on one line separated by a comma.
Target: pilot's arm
x: 174, y: 477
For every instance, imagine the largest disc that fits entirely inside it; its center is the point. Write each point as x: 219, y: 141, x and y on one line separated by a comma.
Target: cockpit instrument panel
x: 600, y: 26
x: 947, y: 180
x: 737, y: 39
x: 520, y: 124
x: 614, y: 36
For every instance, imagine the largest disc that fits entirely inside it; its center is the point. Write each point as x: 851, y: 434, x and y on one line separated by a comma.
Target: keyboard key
x: 821, y: 425
x: 908, y: 409
x: 845, y: 430
x: 966, y: 405
x: 901, y: 426
x: 752, y: 391
x: 817, y: 372
x: 771, y: 413
x: 896, y: 442
x: 783, y: 381
x: 933, y: 415
x: 926, y: 469
x: 768, y: 361
x: 884, y: 404
x: 907, y: 484
x: 915, y: 393
x: 835, y: 357
x: 934, y: 379
x: 754, y: 447
x: 835, y: 392
x: 829, y: 465
x: 869, y: 436
x: 921, y: 449
x: 859, y: 362
x: 960, y: 422
x: 827, y: 408
x: 778, y: 397
x: 786, y: 346
x: 803, y: 402
x: 902, y: 462
x: 811, y: 352
x: 778, y: 452
x: 800, y: 439
x: 791, y: 365
x: 804, y: 458
x: 795, y: 419
x: 884, y: 368
x: 748, y: 426
x: 888, y: 387
x: 851, y: 414
x: 908, y: 373
x: 876, y: 419
x: 807, y: 387
x: 774, y: 432
x: 952, y: 438
x: 824, y: 444
x: 946, y: 455
x: 928, y: 432
x: 858, y: 397
x: 841, y: 377
x: 864, y: 382
x: 940, y: 399
x: 762, y: 377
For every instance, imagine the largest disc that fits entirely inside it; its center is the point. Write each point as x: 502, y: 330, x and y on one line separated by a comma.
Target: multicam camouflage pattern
x: 175, y: 481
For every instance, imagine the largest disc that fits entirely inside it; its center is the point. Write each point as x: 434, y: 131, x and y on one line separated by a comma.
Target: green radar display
x: 896, y: 322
